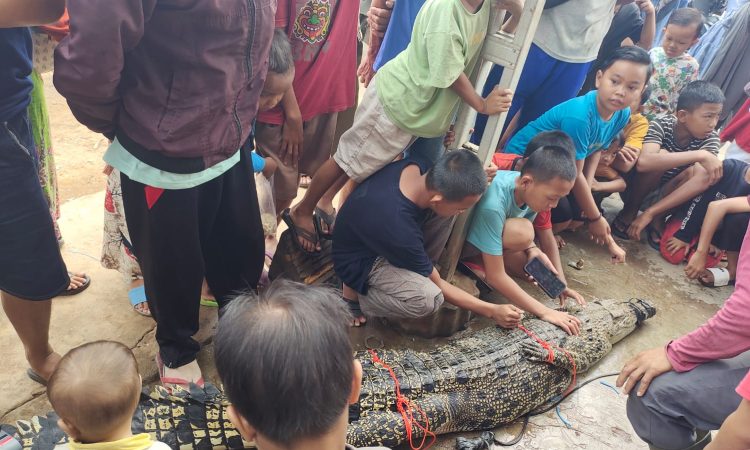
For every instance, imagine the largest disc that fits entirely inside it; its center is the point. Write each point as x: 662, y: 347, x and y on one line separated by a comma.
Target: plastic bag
x: 266, y: 204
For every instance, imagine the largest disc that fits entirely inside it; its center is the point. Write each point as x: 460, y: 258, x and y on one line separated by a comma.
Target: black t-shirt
x: 731, y: 184
x: 378, y: 220
x: 627, y: 23
x: 15, y: 68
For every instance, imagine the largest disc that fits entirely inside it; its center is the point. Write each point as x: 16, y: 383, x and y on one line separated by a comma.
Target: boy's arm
x: 498, y: 101
x: 715, y: 213
x: 291, y: 132
x: 500, y: 281
x: 598, y: 228
x: 548, y: 245
x: 734, y: 433
x: 515, y: 8
x: 611, y: 186
x: 589, y: 167
x: 24, y: 13
x: 655, y: 160
x: 90, y: 60
x: 506, y: 316
x: 649, y: 24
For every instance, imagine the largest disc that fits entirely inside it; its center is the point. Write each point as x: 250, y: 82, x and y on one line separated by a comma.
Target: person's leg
x: 643, y: 184
x: 518, y: 235
x: 232, y: 240
x: 371, y: 143
x: 166, y: 239
x: 31, y: 268
x: 562, y: 214
x: 729, y: 238
x: 399, y: 293
x: 561, y: 82
x: 320, y: 132
x: 678, y: 404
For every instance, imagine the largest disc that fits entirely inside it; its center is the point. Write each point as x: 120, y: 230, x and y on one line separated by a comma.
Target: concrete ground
x: 596, y: 414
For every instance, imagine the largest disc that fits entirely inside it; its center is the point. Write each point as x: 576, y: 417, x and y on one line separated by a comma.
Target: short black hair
x: 285, y: 359
x: 550, y: 162
x: 685, y: 17
x: 631, y: 53
x: 697, y: 93
x: 545, y: 138
x: 456, y: 175
x: 280, y: 60
x: 620, y: 137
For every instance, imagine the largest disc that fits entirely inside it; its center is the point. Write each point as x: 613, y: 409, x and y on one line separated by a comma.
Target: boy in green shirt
x: 413, y: 95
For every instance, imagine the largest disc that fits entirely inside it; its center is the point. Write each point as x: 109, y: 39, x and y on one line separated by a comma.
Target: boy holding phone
x: 501, y: 234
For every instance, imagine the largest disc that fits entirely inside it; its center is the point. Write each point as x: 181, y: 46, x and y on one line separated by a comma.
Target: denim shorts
x: 31, y: 266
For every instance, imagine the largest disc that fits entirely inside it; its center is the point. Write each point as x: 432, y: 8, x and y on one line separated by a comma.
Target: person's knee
x: 518, y: 234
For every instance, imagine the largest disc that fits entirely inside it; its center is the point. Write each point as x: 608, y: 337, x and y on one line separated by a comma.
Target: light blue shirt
x: 497, y: 205
x: 121, y: 159
x: 579, y: 118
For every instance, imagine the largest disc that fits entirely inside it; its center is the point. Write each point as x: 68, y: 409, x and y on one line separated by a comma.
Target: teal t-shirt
x: 579, y: 118
x: 496, y: 206
x: 414, y: 87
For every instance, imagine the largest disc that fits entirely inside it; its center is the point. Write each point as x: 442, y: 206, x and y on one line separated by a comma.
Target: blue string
x: 562, y: 419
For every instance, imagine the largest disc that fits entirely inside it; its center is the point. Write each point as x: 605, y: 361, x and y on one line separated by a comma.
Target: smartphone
x: 545, y: 278
x: 7, y: 442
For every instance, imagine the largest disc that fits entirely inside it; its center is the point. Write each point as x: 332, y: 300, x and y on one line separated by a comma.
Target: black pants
x: 731, y: 232
x: 212, y: 231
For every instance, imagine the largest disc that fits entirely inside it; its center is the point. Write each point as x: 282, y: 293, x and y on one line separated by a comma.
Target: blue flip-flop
x: 137, y: 295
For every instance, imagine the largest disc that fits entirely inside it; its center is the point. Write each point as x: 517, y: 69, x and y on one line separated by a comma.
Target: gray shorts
x: 373, y: 141
x: 399, y: 293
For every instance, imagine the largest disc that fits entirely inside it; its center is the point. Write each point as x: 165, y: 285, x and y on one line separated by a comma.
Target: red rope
x: 405, y: 407
x: 551, y: 354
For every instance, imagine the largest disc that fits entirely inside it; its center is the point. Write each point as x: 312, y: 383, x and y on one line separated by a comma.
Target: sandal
x: 297, y: 233
x: 474, y: 272
x: 137, y: 296
x: 35, y: 377
x: 721, y: 278
x: 653, y: 237
x: 166, y: 381
x: 210, y: 302
x: 356, y: 311
x: 322, y: 217
x: 620, y: 229
x: 79, y: 289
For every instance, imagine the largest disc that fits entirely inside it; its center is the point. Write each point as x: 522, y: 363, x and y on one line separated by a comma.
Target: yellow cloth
x: 138, y: 442
x: 635, y: 131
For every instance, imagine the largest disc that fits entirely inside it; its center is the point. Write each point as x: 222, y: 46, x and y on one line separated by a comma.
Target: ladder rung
x: 501, y: 51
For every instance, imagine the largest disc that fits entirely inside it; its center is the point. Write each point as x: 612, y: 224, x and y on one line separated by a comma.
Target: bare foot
x: 304, y: 181
x: 560, y: 241
x: 76, y: 280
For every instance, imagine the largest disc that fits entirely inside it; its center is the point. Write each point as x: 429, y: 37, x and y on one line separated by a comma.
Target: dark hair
x: 685, y: 17
x: 645, y: 95
x: 697, y: 93
x: 550, y: 162
x: 630, y: 53
x: 280, y: 58
x: 285, y: 359
x: 556, y: 138
x: 620, y: 137
x: 457, y: 175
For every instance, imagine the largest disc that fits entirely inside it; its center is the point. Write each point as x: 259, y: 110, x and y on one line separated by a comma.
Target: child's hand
x: 378, y: 18
x: 646, y: 6
x: 674, y: 245
x: 450, y: 137
x: 291, y: 141
x: 628, y: 154
x: 599, y: 230
x: 571, y: 324
x: 570, y: 293
x: 507, y: 316
x: 696, y: 265
x: 366, y: 71
x: 617, y: 252
x: 713, y: 166
x: 491, y: 171
x: 639, y: 224
x: 498, y: 101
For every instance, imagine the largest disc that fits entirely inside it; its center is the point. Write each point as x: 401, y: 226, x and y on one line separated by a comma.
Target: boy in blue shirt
x: 592, y: 121
x: 394, y: 226
x: 501, y: 234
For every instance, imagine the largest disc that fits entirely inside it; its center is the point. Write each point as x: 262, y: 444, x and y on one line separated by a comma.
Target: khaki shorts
x: 373, y: 141
x: 399, y: 293
x: 317, y: 142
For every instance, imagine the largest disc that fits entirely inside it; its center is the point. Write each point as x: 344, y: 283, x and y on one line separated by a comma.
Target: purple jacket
x: 177, y: 78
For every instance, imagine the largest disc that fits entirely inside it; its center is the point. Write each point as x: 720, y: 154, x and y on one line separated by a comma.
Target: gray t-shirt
x: 573, y: 31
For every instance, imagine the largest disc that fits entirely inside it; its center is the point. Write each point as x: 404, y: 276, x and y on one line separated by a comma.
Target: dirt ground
x: 596, y: 414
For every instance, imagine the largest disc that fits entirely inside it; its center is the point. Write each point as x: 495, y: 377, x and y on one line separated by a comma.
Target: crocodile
x: 477, y: 381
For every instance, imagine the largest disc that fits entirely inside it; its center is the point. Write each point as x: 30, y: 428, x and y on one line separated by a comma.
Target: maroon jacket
x: 180, y: 79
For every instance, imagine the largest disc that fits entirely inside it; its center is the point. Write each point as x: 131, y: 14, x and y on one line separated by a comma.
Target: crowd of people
x: 203, y: 102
